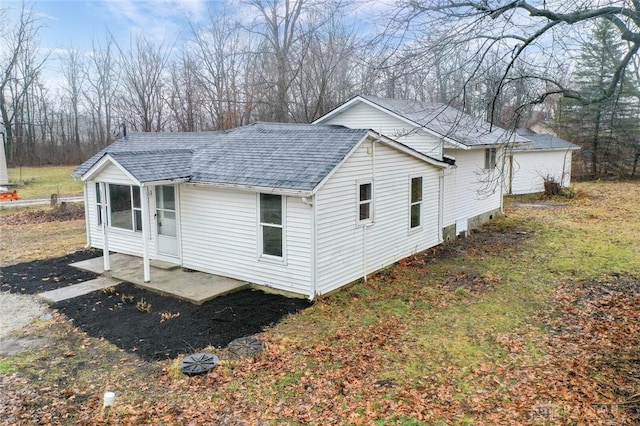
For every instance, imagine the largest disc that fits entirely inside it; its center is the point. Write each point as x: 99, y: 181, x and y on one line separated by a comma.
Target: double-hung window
x: 125, y: 207
x: 415, y: 203
x: 365, y: 201
x: 271, y: 225
x: 99, y: 204
x: 490, y: 158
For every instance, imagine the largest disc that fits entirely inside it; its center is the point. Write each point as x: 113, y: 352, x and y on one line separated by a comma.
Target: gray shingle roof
x: 543, y: 142
x: 283, y: 156
x: 447, y: 121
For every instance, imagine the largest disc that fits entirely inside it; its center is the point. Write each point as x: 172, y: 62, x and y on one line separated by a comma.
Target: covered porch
x: 167, y: 278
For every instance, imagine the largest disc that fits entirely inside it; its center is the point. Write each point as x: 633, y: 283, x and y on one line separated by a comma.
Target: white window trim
x: 370, y: 219
x: 268, y: 257
x: 99, y: 204
x: 133, y: 209
x: 411, y: 204
x: 490, y: 154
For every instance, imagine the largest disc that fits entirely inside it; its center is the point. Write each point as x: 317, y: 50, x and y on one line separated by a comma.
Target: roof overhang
x: 418, y: 126
x: 108, y: 160
x: 526, y: 149
x: 254, y: 188
x: 102, y: 164
x: 378, y: 137
x: 408, y: 150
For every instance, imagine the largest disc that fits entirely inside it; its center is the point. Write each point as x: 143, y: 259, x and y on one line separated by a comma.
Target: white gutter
x: 254, y: 188
x: 314, y: 249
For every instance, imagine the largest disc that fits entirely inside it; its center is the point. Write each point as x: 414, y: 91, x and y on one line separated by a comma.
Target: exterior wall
x: 341, y: 240
x: 529, y: 168
x: 219, y: 229
x: 478, y: 194
x: 449, y: 198
x: 120, y: 240
x: 4, y: 173
x: 363, y: 116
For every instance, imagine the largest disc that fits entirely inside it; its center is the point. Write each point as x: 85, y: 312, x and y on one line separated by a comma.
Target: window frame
x: 418, y: 203
x: 99, y: 203
x: 282, y: 226
x: 360, y: 202
x: 490, y: 158
x: 136, y: 211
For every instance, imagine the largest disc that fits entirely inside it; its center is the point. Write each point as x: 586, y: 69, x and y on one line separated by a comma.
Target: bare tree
x: 72, y: 67
x: 101, y: 75
x: 222, y: 58
x: 279, y: 29
x: 20, y: 67
x: 143, y: 72
x: 326, y: 77
x: 512, y: 30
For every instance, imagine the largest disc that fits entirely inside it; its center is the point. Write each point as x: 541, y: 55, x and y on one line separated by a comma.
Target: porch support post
x: 105, y: 228
x: 144, y: 198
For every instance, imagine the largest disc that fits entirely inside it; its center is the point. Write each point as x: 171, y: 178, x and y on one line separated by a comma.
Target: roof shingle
x: 282, y: 156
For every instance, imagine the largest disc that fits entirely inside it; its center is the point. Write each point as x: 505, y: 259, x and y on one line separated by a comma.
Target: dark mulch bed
x: 113, y: 314
x: 44, y: 275
x: 173, y: 327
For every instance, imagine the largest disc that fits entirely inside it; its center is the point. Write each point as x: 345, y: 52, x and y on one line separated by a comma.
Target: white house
x: 300, y: 208
x: 4, y: 174
x: 472, y: 189
x: 527, y: 166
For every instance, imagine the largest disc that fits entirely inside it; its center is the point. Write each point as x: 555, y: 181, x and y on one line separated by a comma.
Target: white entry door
x: 167, y: 220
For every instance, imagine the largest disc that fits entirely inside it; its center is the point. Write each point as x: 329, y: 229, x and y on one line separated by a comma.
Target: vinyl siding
x: 4, y: 172
x: 340, y: 239
x: 476, y: 191
x: 449, y: 198
x: 530, y: 168
x: 220, y: 236
x: 363, y: 116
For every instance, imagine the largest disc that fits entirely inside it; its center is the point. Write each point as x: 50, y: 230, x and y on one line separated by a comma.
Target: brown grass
x: 27, y: 242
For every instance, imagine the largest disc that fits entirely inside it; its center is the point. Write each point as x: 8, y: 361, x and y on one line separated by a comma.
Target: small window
x: 416, y: 202
x: 99, y: 204
x: 365, y: 201
x: 271, y: 225
x: 490, y: 158
x: 126, y: 208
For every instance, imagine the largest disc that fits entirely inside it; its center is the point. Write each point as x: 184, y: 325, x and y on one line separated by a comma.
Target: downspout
x: 441, y: 207
x: 105, y: 232
x: 373, y: 209
x: 314, y: 247
x: 144, y: 199
x: 501, y: 182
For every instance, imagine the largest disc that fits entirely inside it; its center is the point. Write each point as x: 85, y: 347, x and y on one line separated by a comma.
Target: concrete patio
x: 166, y: 278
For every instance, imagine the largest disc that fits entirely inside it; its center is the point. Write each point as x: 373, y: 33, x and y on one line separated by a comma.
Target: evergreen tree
x: 605, y: 128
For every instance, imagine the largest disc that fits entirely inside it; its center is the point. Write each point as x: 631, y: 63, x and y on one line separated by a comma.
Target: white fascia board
x: 346, y: 157
x: 573, y: 148
x: 417, y: 126
x: 102, y: 163
x: 389, y: 142
x: 164, y: 182
x: 337, y: 110
x: 408, y: 150
x: 253, y: 188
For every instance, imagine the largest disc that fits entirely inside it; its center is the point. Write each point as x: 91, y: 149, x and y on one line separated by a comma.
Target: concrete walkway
x: 76, y: 290
x: 166, y: 278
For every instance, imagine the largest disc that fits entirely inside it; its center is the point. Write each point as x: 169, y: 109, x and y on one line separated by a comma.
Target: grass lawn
x: 41, y: 182
x: 530, y: 321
